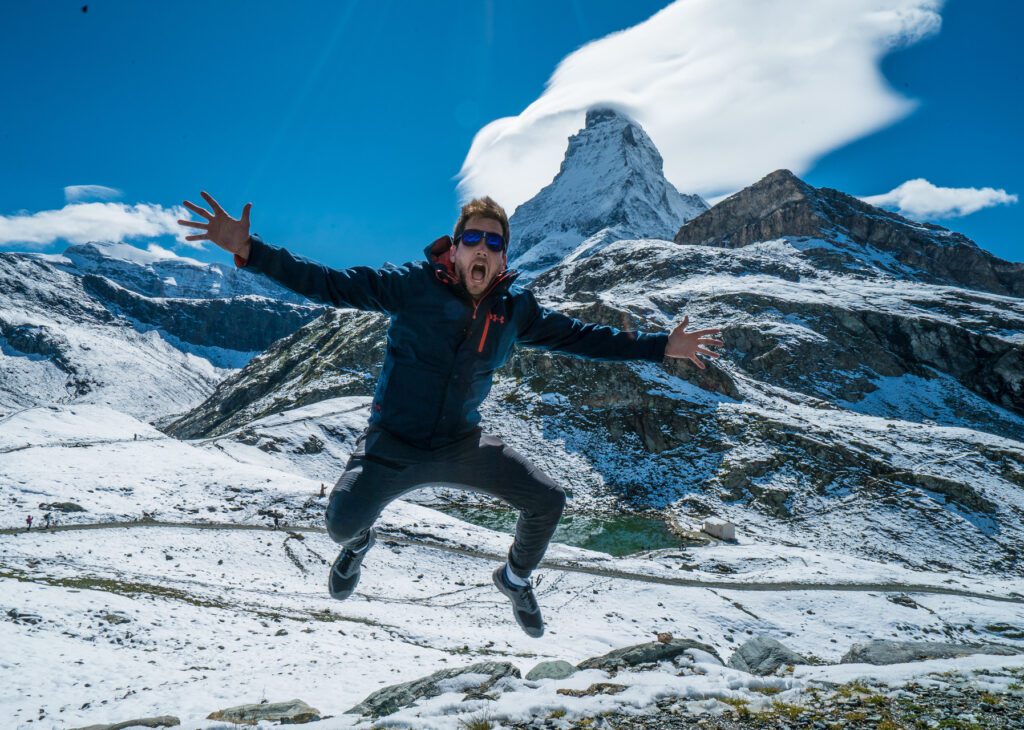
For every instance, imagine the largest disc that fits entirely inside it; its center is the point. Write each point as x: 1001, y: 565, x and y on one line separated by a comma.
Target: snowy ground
x: 131, y: 620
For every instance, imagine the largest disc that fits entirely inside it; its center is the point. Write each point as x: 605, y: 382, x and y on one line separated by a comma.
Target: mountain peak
x: 599, y: 115
x: 611, y: 182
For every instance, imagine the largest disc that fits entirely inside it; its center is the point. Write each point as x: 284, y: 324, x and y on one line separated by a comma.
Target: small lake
x: 616, y: 535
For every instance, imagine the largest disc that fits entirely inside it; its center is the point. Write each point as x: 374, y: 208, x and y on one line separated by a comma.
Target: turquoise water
x: 615, y: 535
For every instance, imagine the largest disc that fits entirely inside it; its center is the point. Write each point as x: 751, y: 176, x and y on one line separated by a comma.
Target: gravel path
x: 570, y: 567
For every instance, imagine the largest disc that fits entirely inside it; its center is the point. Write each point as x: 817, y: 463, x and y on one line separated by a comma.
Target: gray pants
x: 383, y: 468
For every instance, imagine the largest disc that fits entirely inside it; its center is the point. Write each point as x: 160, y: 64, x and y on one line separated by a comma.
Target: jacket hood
x: 439, y: 254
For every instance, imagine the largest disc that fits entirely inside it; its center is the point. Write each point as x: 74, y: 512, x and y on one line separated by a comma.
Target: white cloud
x: 729, y: 90
x: 160, y: 252
x: 78, y: 193
x: 921, y: 200
x: 82, y: 222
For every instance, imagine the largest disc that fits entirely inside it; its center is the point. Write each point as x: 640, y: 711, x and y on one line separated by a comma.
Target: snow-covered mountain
x: 87, y: 327
x: 611, y: 186
x: 163, y: 274
x: 864, y: 431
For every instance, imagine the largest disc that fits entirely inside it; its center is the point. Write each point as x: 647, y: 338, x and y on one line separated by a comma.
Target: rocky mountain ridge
x: 840, y: 232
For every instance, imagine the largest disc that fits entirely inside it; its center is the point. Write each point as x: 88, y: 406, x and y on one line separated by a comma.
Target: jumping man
x: 455, y: 318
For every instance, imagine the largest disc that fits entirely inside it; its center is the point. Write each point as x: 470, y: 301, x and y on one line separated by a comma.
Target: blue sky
x: 346, y: 124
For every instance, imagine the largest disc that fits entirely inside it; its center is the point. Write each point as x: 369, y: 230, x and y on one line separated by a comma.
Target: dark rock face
x: 781, y: 205
x: 41, y: 341
x: 881, y: 651
x: 338, y: 354
x: 649, y: 653
x: 245, y: 323
x: 878, y: 343
x: 391, y: 699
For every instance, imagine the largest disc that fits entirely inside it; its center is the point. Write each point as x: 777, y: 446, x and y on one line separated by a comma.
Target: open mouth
x: 478, y: 273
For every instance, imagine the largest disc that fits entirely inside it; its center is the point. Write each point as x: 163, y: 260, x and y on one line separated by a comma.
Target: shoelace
x: 528, y: 598
x: 347, y: 559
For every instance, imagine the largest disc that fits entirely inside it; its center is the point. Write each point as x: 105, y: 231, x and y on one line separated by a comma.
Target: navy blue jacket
x: 442, y: 348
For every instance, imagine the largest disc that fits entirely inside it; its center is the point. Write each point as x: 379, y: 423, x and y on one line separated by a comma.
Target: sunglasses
x: 495, y: 241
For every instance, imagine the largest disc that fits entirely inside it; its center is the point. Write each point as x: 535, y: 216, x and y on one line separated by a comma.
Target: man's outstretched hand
x: 229, y: 233
x: 688, y: 344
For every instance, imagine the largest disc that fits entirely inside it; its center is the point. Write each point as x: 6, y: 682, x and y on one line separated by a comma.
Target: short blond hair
x: 484, y: 207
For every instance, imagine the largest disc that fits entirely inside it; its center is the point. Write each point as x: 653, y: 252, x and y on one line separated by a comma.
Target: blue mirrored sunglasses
x: 495, y: 241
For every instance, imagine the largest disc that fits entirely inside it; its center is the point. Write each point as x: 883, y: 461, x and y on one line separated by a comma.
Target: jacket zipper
x: 487, y: 323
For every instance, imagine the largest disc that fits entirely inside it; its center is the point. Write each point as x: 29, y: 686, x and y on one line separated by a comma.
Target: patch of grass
x: 476, y: 724
x: 766, y: 690
x: 556, y: 714
x: 852, y: 688
x: 740, y: 705
x: 787, y: 710
x: 956, y: 724
x: 990, y: 699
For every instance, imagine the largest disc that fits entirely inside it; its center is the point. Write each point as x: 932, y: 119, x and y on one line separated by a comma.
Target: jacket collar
x: 439, y: 254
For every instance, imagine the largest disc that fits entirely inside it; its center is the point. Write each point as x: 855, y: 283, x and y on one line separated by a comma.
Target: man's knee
x: 345, y: 521
x: 553, y: 502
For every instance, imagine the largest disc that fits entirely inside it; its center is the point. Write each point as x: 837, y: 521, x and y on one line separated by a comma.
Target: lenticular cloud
x: 728, y: 90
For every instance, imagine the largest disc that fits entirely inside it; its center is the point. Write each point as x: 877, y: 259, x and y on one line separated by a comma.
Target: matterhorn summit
x: 611, y: 186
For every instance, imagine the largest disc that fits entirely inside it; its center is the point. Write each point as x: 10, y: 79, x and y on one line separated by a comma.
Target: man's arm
x: 360, y: 287
x: 548, y: 329
x: 551, y: 330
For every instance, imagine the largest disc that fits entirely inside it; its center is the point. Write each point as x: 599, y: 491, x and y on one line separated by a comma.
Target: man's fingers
x: 707, y: 341
x: 213, y: 203
x: 706, y: 332
x: 702, y: 351
x: 696, y: 361
x: 203, y: 237
x: 245, y: 212
x: 686, y: 321
x: 197, y: 209
x: 193, y: 224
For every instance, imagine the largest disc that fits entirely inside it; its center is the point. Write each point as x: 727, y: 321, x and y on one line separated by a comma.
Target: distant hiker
x: 135, y: 437
x: 28, y: 521
x: 323, y: 490
x: 454, y: 320
x: 277, y: 522
x: 46, y: 521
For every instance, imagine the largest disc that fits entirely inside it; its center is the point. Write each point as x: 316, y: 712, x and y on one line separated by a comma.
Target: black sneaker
x: 524, y: 604
x: 344, y: 573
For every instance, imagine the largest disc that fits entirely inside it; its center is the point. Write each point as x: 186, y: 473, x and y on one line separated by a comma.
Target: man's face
x: 478, y: 265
